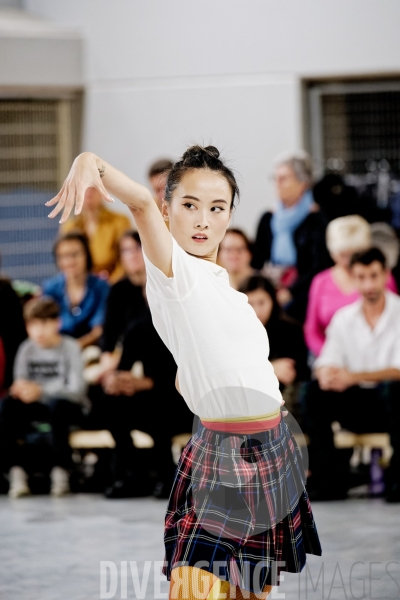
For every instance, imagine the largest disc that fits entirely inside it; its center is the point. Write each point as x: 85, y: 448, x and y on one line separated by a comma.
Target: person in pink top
x: 333, y: 288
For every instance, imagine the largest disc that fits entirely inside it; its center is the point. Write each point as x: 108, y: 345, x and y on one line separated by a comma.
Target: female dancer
x: 238, y: 512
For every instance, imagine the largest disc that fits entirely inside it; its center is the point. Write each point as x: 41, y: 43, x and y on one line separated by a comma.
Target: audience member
x: 150, y: 404
x: 126, y: 299
x: 385, y: 238
x: 103, y: 228
x: 157, y: 175
x: 335, y: 197
x: 235, y: 255
x: 335, y: 287
x: 12, y: 329
x: 80, y: 295
x: 48, y: 387
x: 290, y: 243
x: 2, y: 369
x: 288, y: 352
x: 358, y: 373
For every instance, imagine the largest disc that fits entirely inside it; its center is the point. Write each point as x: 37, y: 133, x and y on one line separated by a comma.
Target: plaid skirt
x: 239, y: 509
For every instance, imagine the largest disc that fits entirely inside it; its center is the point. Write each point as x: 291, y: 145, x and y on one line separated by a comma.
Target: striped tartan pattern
x: 239, y: 505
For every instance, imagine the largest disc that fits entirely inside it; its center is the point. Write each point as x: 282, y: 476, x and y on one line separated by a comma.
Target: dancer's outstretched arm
x: 84, y: 174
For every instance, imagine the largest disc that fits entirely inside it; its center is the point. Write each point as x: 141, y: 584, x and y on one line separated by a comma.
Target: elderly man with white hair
x: 290, y: 243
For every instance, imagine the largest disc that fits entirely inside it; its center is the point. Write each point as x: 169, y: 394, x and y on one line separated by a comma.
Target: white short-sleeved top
x: 218, y: 343
x: 351, y: 343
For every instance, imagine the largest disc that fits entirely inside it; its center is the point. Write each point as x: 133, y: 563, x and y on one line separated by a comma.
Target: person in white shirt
x: 241, y: 475
x: 357, y: 377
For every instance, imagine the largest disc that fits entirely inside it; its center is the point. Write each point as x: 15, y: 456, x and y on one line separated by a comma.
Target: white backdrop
x: 162, y: 74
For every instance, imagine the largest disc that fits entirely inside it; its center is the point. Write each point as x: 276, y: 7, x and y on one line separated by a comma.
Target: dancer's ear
x: 164, y: 210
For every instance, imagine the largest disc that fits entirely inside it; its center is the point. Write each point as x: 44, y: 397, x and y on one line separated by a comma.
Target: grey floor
x: 51, y: 549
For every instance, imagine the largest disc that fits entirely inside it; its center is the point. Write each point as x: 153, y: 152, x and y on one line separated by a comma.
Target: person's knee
x: 309, y: 394
x: 390, y: 388
x: 64, y: 411
x: 191, y: 583
x: 8, y: 407
x: 58, y: 406
x: 390, y: 393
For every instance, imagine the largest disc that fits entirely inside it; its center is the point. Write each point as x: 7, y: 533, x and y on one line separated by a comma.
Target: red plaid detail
x: 240, y: 501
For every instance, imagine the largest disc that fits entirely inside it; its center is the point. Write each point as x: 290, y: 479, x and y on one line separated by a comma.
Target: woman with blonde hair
x: 333, y: 288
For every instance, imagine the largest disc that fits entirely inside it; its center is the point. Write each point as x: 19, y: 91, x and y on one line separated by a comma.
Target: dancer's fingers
x: 103, y: 192
x: 69, y: 204
x: 53, y: 200
x: 59, y: 207
x: 80, y: 198
x: 56, y: 198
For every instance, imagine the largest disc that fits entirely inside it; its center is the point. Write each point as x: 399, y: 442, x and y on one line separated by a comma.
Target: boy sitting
x: 48, y: 387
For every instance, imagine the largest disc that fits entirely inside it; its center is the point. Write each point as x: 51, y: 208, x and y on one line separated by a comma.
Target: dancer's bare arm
x: 84, y: 174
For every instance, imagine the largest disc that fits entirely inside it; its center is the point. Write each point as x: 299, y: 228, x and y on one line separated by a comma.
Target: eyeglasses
x: 282, y: 178
x: 134, y: 250
x: 232, y: 249
x: 64, y: 255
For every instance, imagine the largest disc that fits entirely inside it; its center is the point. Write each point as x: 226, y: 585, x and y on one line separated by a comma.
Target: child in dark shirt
x: 48, y: 387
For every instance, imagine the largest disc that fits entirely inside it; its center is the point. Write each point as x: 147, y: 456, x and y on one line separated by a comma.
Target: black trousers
x: 16, y: 420
x: 361, y: 410
x: 147, y: 411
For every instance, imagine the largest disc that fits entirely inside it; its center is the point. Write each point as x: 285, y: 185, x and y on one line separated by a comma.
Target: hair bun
x: 212, y: 151
x: 198, y: 156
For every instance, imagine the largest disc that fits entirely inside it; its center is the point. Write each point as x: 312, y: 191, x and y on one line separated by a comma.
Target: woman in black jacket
x: 290, y: 242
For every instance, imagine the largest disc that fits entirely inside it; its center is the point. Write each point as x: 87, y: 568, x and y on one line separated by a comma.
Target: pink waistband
x: 243, y: 426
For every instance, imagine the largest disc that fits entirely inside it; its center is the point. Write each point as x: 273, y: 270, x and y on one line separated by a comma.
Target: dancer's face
x: 199, y: 212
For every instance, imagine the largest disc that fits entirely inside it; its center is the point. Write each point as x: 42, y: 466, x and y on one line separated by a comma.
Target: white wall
x: 37, y: 53
x: 162, y: 74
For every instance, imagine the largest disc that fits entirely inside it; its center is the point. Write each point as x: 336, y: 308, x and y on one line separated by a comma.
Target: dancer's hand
x: 84, y: 174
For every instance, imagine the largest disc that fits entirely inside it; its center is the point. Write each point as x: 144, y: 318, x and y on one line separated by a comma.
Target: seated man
x: 358, y: 373
x: 48, y: 387
x: 150, y: 403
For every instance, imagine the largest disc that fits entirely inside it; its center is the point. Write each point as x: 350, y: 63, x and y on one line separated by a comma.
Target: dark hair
x: 368, y: 257
x: 75, y: 236
x: 160, y: 166
x: 257, y: 282
x: 241, y: 233
x: 134, y: 235
x: 198, y: 157
x: 41, y: 308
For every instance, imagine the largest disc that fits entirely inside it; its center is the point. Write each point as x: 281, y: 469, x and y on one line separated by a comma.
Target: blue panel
x: 30, y: 235
x: 22, y: 207
x: 25, y: 212
x: 16, y: 260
